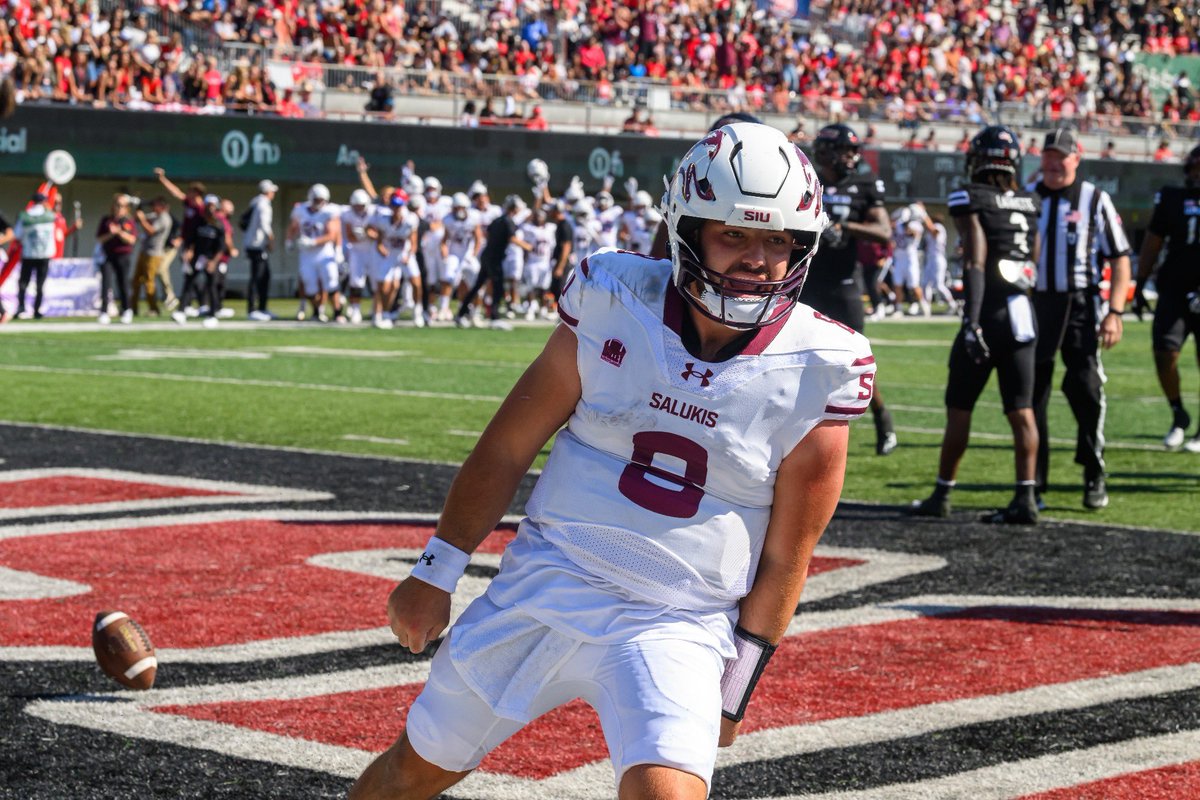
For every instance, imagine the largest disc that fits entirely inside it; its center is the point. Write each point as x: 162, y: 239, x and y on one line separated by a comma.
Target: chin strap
x: 742, y: 673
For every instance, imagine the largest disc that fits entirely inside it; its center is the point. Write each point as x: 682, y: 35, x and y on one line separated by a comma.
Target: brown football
x: 123, y: 650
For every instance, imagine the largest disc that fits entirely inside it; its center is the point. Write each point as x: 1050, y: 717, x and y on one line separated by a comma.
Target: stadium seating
x: 923, y: 64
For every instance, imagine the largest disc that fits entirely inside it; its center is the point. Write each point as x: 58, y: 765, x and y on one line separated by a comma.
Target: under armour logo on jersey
x: 427, y: 558
x: 613, y: 352
x: 692, y: 373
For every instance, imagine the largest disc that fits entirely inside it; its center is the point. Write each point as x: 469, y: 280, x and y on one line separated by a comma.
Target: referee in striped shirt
x: 1078, y: 227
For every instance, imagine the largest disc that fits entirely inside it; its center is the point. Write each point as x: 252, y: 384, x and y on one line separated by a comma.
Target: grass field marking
x: 469, y: 434
x: 186, y: 353
x: 404, y: 355
x: 361, y: 437
x: 1007, y: 437
x: 1042, y: 774
x: 312, y: 387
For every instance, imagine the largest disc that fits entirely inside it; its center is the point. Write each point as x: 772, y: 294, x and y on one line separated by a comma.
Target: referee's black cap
x: 1063, y: 140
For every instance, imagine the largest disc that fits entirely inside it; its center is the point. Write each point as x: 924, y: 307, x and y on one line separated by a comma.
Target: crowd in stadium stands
x: 907, y: 62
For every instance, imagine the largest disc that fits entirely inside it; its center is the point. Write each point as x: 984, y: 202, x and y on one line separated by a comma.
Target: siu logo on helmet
x: 613, y: 352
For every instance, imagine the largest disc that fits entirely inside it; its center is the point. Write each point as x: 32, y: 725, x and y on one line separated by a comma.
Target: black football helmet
x: 996, y: 148
x: 836, y: 149
x: 1191, y: 166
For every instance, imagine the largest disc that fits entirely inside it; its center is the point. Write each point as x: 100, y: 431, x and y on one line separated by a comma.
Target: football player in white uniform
x: 461, y: 243
x: 437, y: 206
x: 708, y: 412
x: 394, y: 233
x: 539, y: 232
x: 608, y: 214
x: 908, y: 227
x: 585, y: 238
x: 933, y: 276
x: 360, y: 249
x: 315, y: 228
x: 639, y: 224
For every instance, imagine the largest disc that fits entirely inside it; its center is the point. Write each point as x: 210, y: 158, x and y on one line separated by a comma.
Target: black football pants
x: 1068, y: 322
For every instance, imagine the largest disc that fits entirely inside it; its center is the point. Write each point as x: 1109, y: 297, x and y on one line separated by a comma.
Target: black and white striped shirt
x: 1078, y: 225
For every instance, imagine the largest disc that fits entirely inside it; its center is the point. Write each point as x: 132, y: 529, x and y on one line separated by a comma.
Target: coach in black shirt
x: 1078, y: 227
x: 501, y: 232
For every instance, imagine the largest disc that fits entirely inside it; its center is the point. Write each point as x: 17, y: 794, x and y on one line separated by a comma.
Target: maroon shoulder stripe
x: 583, y: 267
x: 567, y: 318
x: 862, y: 362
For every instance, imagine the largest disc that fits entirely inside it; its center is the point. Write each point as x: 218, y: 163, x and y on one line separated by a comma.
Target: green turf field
x: 426, y: 394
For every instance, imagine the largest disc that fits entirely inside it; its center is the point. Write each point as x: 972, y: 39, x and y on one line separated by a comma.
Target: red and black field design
x: 942, y: 659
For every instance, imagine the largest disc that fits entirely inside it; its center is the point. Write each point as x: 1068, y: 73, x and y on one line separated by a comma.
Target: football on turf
x: 123, y: 650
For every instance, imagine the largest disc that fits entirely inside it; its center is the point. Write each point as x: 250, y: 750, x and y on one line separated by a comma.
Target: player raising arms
x: 710, y: 414
x: 994, y: 218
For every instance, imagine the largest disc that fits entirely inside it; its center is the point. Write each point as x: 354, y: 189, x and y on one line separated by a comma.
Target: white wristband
x: 441, y: 565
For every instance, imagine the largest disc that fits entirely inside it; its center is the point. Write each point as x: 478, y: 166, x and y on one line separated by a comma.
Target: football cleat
x: 936, y: 505
x: 464, y: 322
x: 1193, y: 444
x: 1095, y: 493
x: 501, y: 325
x: 885, y: 443
x: 104, y: 319
x: 1018, y: 512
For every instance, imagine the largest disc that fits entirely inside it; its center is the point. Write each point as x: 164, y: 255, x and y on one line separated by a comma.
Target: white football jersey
x: 460, y: 233
x: 315, y: 224
x: 396, y: 234
x: 660, y: 487
x: 487, y: 215
x: 935, y: 244
x: 584, y: 239
x: 610, y: 226
x: 541, y: 237
x: 639, y: 230
x: 357, y: 223
x: 906, y: 234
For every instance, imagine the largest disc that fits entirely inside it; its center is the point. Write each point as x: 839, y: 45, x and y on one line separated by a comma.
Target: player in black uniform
x: 1176, y: 220
x: 998, y: 330
x: 854, y: 202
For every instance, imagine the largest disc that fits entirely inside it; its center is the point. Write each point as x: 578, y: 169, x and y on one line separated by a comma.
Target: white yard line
x: 359, y: 437
x: 290, y: 385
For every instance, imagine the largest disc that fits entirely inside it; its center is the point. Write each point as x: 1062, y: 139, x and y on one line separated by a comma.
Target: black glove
x: 977, y: 348
x: 1140, y: 304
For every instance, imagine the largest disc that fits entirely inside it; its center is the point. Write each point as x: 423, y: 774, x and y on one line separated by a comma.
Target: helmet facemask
x: 736, y: 302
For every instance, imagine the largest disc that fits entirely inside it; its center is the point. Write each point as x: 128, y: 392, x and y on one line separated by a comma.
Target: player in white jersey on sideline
x: 437, y: 206
x: 539, y: 232
x: 514, y: 266
x: 709, y: 412
x: 585, y: 238
x: 461, y: 243
x: 639, y: 223
x: 933, y: 277
x: 608, y: 215
x: 394, y: 232
x: 360, y: 249
x: 316, y: 230
x: 908, y: 226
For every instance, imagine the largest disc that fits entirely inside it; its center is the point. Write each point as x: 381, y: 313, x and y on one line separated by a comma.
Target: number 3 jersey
x: 659, y: 489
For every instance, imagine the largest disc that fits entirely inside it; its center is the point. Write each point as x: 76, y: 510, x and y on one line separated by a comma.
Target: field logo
x: 237, y: 149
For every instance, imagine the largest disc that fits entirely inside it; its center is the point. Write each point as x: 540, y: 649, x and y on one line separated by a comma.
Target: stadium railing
x: 438, y: 97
